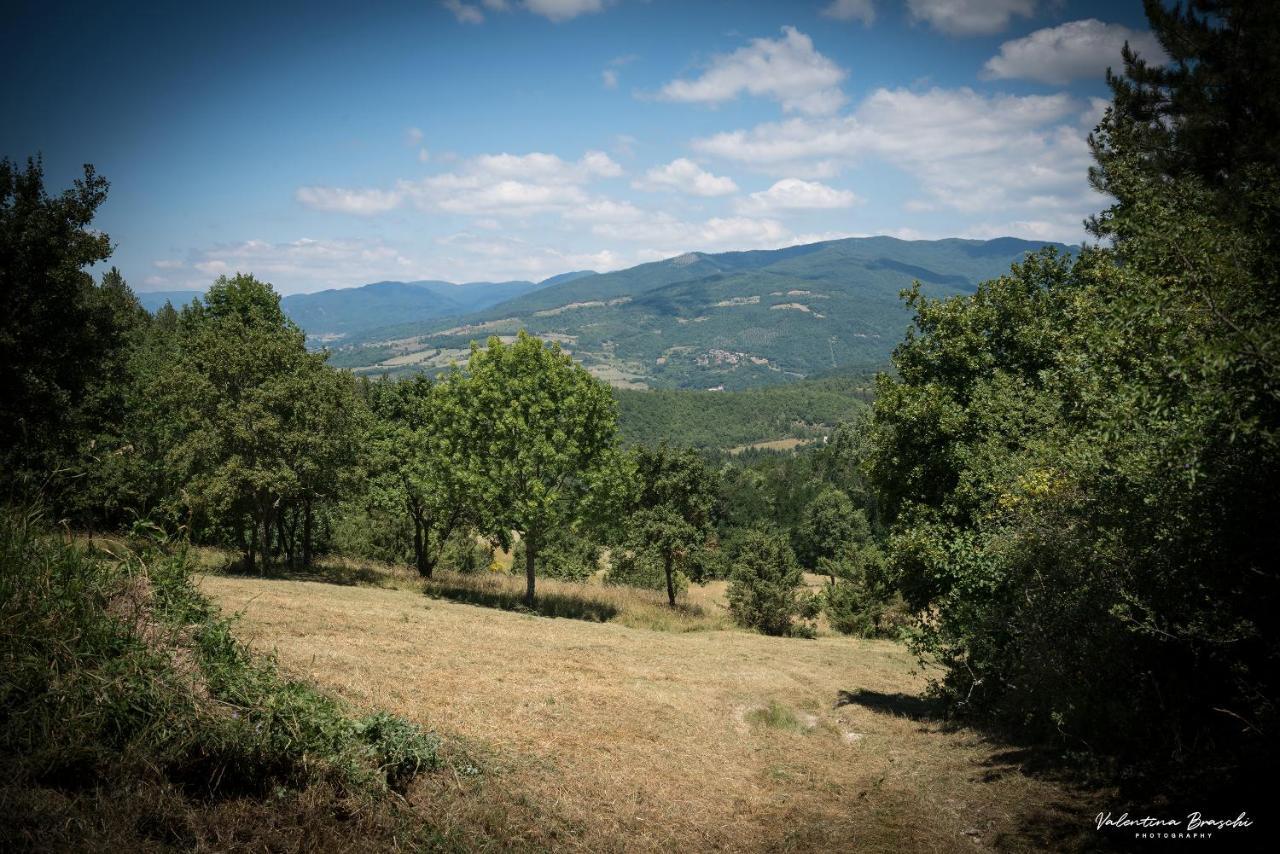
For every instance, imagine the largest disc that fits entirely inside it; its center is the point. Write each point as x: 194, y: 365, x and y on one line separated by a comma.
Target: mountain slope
x: 737, y: 320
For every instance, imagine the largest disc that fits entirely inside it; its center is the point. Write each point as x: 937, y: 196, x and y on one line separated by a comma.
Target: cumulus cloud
x: 969, y: 17
x: 665, y: 235
x: 1058, y: 55
x: 787, y: 69
x: 968, y: 151
x: 339, y: 200
x: 491, y: 184
x: 609, y: 77
x: 685, y: 176
x: 563, y: 10
x: 794, y: 194
x: 851, y: 10
x: 465, y: 13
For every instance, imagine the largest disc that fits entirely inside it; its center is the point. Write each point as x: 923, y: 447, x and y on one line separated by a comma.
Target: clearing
x: 605, y: 736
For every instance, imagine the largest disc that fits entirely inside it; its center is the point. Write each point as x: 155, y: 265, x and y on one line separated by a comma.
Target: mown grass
x: 131, y: 715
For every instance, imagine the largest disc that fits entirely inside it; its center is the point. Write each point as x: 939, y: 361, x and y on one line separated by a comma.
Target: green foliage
x: 808, y: 409
x: 55, y: 330
x: 464, y: 552
x: 537, y: 434
x: 643, y: 569
x: 117, y: 667
x: 672, y: 510
x: 830, y: 527
x: 411, y: 446
x: 765, y: 585
x: 564, y: 555
x: 1079, y: 460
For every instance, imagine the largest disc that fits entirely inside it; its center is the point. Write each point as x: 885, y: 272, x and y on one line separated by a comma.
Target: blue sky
x: 317, y: 146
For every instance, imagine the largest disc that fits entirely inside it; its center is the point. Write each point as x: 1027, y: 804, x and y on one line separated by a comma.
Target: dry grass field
x: 604, y: 736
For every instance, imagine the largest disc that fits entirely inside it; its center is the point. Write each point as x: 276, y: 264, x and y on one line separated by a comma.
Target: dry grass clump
x: 607, y: 737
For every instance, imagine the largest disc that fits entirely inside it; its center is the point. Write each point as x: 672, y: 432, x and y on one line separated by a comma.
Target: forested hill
x: 736, y: 319
x: 803, y: 411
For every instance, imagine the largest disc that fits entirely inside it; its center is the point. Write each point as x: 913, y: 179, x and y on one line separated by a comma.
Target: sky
x: 322, y: 145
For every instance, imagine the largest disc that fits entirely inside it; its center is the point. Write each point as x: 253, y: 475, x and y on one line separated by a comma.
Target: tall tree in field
x: 539, y: 433
x: 53, y: 332
x: 672, y: 511
x: 414, y: 466
x: 238, y: 386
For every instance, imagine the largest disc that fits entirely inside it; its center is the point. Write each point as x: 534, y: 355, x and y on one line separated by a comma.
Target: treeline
x: 720, y: 420
x: 1078, y: 463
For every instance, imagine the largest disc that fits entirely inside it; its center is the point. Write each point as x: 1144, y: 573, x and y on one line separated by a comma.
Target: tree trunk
x: 284, y: 538
x: 671, y: 581
x: 251, y: 546
x: 306, y: 534
x: 420, y: 549
x: 530, y: 555
x: 265, y: 528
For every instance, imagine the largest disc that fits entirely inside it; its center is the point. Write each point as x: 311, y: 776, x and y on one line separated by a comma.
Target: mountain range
x: 332, y: 315
x: 730, y: 320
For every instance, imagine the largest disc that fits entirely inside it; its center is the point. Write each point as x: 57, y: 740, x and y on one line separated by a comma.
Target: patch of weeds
x: 775, y: 716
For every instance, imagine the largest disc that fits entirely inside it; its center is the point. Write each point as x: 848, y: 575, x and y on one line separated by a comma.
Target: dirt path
x: 604, y: 737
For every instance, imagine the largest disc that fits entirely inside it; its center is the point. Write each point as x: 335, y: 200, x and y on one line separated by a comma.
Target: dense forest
x: 1062, y: 494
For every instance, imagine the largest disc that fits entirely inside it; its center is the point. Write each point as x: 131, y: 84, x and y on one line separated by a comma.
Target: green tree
x: 672, y: 510
x: 413, y: 450
x: 765, y: 584
x: 539, y: 434
x: 831, y: 526
x: 241, y: 387
x: 54, y: 332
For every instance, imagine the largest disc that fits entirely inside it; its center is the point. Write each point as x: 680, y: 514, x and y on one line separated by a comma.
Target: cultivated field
x: 608, y: 736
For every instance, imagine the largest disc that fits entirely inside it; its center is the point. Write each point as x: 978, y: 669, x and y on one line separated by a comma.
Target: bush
x: 118, y: 670
x: 765, y: 585
x: 568, y: 557
x: 464, y: 553
x: 642, y: 569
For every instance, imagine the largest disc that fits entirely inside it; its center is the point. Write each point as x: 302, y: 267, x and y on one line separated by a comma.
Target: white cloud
x: 491, y: 184
x: 167, y: 264
x: 339, y: 200
x: 851, y: 10
x: 1058, y: 55
x: 610, y: 78
x: 788, y: 70
x: 605, y: 210
x: 423, y: 155
x: 667, y: 236
x: 969, y: 17
x: 968, y: 151
x: 685, y: 176
x: 414, y: 137
x: 562, y: 10
x: 466, y: 14
x: 794, y: 194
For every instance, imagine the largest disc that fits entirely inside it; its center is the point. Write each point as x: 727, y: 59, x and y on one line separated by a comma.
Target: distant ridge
x: 704, y: 320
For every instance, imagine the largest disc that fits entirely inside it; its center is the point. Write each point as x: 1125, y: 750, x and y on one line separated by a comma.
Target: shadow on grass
x: 344, y: 574
x: 1053, y: 824
x: 900, y: 705
x: 545, y: 605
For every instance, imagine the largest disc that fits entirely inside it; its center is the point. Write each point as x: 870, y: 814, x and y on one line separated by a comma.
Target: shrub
x: 464, y: 553
x: 568, y: 558
x: 765, y: 585
x: 643, y: 569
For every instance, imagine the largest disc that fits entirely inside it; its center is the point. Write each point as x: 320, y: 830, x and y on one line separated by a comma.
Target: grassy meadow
x: 604, y: 722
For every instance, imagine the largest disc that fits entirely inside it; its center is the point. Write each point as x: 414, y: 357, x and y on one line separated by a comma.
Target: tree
x: 538, y: 433
x: 53, y: 332
x: 830, y: 527
x: 413, y: 447
x: 764, y: 586
x: 239, y: 386
x: 672, y: 511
